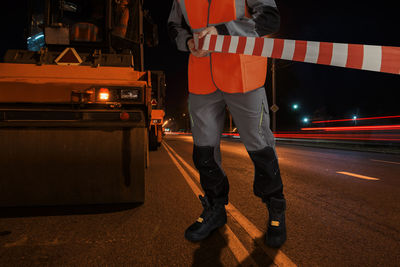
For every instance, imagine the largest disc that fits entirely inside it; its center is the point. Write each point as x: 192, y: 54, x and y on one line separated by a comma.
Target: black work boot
x: 276, y: 231
x: 212, y: 217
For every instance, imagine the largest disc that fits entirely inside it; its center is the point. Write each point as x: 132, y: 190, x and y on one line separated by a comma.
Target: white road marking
x: 277, y: 256
x: 384, y: 161
x: 359, y: 176
x: 234, y: 244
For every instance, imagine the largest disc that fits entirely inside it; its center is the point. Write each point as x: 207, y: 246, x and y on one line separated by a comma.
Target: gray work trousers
x: 250, y: 114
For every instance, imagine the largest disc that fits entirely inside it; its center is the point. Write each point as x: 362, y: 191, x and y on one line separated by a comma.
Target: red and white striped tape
x: 356, y: 56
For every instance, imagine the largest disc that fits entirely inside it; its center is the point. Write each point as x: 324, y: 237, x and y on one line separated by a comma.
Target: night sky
x: 323, y: 92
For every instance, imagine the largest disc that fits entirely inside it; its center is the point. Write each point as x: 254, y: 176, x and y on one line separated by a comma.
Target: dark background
x: 323, y: 92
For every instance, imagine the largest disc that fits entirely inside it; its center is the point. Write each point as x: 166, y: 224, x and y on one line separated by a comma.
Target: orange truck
x: 156, y: 128
x: 75, y: 107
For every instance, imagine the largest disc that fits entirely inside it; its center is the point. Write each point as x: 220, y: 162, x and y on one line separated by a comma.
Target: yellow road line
x: 238, y: 250
x: 277, y: 256
x: 234, y: 244
x: 384, y: 161
x: 18, y: 243
x: 359, y: 176
x: 196, y: 190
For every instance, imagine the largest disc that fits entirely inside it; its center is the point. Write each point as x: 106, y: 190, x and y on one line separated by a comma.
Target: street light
x: 295, y: 106
x: 305, y: 120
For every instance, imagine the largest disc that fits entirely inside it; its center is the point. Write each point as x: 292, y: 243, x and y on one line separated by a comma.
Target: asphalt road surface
x: 343, y: 210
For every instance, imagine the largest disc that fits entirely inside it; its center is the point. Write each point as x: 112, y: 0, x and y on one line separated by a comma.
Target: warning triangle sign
x: 68, y: 57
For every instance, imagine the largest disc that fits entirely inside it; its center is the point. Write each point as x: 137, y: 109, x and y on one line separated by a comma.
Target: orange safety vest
x: 228, y: 72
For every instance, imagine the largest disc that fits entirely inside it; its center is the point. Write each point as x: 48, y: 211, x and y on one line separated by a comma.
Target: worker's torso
x: 227, y: 72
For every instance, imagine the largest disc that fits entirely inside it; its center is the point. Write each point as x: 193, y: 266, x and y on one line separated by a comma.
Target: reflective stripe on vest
x: 227, y: 72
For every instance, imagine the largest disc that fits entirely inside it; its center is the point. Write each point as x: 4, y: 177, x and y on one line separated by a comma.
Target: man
x: 217, y: 80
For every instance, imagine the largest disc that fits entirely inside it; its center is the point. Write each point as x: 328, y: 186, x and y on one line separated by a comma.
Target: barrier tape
x: 356, y: 56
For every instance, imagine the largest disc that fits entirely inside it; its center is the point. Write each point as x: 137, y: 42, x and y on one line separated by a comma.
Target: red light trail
x: 354, y: 137
x: 358, y: 119
x: 355, y: 128
x: 326, y: 136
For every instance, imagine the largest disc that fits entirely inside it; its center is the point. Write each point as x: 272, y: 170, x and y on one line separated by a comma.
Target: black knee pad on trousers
x: 267, y: 177
x: 212, y: 179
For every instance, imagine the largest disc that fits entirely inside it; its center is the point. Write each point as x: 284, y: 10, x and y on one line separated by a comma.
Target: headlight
x: 104, y: 94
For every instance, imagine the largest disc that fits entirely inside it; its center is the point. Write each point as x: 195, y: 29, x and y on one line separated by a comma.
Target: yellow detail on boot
x: 200, y: 220
x: 275, y: 223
